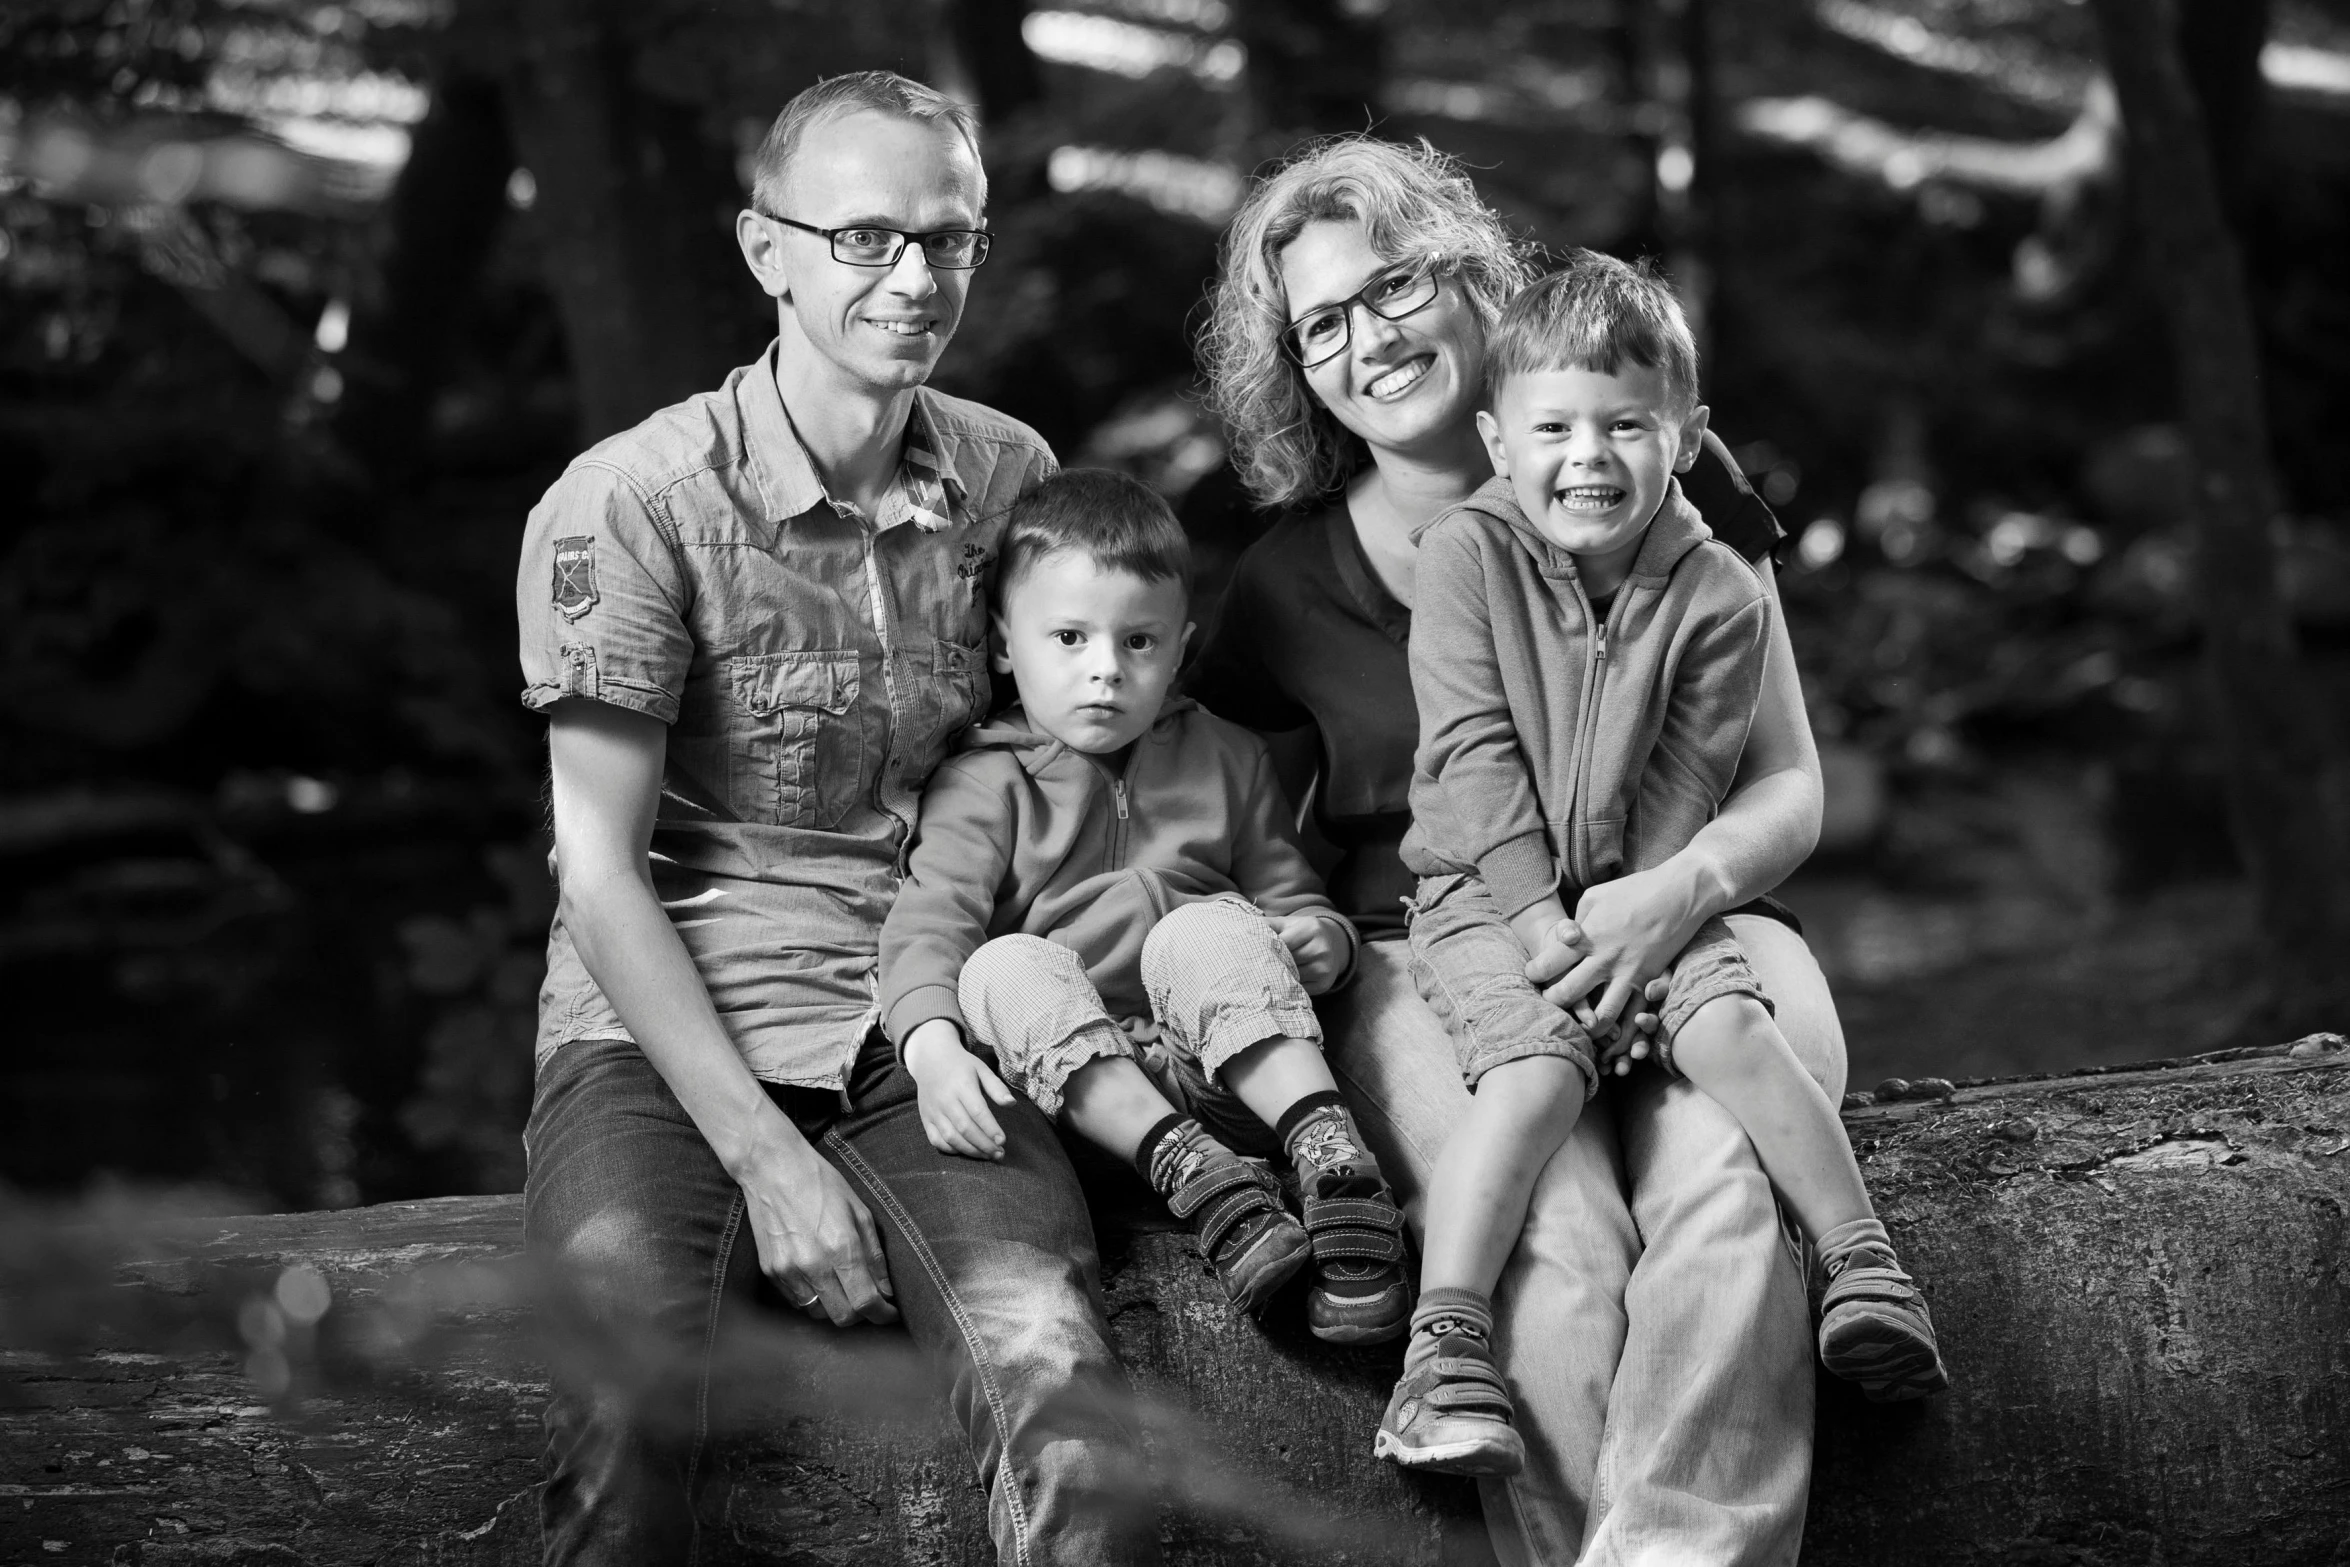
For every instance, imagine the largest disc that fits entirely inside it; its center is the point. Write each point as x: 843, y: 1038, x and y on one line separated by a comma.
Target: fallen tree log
x: 2139, y: 1275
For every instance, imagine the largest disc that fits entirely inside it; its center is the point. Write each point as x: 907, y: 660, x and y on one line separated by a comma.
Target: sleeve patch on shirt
x: 575, y: 576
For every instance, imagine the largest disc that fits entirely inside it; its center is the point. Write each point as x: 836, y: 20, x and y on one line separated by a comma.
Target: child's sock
x: 1840, y: 1247
x: 1173, y: 1151
x: 1443, y: 1314
x: 1319, y: 1137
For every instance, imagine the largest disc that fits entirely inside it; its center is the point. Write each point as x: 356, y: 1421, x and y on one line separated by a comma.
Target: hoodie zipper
x: 1594, y: 683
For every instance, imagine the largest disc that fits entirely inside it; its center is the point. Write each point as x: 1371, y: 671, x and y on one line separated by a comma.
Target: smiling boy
x: 1587, y: 660
x: 1104, y: 894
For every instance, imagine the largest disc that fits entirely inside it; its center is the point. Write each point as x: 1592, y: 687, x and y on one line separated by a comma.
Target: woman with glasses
x: 1652, y: 1322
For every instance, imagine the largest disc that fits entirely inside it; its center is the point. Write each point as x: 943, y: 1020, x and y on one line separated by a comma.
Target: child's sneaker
x: 1452, y: 1414
x: 1233, y: 1206
x: 1874, y: 1327
x: 1360, y: 1294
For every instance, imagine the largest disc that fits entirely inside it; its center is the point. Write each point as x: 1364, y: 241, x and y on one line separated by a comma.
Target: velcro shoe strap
x: 1355, y: 1227
x: 1889, y: 1285
x: 1467, y: 1387
x: 1223, y: 1196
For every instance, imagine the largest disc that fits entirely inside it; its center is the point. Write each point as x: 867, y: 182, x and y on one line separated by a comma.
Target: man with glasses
x: 755, y: 622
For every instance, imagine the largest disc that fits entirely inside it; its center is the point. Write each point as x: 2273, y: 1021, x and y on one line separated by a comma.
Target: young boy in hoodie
x: 1103, y: 892
x: 1587, y: 662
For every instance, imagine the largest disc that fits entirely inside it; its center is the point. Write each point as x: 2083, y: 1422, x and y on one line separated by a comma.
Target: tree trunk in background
x: 1661, y: 50
x: 992, y: 58
x: 986, y: 36
x: 2219, y: 44
x: 442, y: 219
x: 1311, y: 67
x: 635, y: 213
x: 2288, y: 786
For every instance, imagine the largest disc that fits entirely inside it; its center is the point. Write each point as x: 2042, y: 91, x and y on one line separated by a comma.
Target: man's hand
x: 954, y: 1090
x: 815, y: 1239
x: 1318, y: 946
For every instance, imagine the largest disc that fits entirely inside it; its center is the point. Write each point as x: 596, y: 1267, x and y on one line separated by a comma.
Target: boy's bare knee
x: 1531, y: 1091
x: 1728, y: 1038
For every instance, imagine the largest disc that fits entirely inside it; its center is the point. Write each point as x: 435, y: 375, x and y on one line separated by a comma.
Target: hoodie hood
x: 1673, y: 532
x: 1011, y: 731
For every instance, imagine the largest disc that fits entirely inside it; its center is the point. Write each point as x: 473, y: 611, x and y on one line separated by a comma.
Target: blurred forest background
x: 302, y: 304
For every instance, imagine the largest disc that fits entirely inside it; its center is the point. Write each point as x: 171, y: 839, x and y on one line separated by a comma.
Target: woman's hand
x: 1624, y: 933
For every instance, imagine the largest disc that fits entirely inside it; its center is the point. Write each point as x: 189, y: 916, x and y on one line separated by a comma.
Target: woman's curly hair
x: 1414, y: 203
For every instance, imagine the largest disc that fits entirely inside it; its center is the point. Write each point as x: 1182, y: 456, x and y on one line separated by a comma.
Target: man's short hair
x: 1596, y: 313
x: 881, y: 92
x: 1116, y: 521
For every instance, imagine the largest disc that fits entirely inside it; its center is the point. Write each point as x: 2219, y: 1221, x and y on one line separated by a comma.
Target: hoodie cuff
x: 917, y: 1007
x: 1354, y: 948
x: 1520, y: 871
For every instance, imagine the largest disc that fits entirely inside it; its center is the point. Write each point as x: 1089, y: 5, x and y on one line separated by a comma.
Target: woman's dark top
x: 1308, y: 635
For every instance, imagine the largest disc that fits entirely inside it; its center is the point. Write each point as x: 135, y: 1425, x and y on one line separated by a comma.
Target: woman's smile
x: 1391, y: 384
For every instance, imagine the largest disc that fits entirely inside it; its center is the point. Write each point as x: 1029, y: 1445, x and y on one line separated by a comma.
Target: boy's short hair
x: 1595, y: 312
x: 879, y: 92
x: 1115, y: 520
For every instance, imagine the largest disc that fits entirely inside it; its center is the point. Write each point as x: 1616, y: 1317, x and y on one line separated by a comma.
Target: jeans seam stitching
x: 981, y: 1370
x: 693, y: 1466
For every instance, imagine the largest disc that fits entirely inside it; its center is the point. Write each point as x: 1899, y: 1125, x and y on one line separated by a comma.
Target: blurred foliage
x: 270, y: 813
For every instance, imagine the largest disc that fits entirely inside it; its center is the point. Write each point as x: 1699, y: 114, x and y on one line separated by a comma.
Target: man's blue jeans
x: 993, y: 1267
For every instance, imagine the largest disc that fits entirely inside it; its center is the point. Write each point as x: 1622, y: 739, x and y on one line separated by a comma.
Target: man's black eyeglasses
x: 1321, y: 335
x: 862, y: 245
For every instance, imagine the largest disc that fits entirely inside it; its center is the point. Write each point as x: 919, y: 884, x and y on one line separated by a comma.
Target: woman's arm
x: 1635, y: 925
x: 815, y: 1238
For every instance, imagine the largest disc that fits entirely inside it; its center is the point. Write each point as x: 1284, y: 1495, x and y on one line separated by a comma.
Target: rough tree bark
x: 2139, y: 1277
x: 2288, y: 778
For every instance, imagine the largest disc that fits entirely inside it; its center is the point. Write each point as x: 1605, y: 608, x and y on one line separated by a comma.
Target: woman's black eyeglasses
x: 1321, y: 335
x: 862, y: 245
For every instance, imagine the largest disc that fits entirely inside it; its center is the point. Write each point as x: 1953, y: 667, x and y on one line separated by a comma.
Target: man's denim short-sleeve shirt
x: 813, y: 666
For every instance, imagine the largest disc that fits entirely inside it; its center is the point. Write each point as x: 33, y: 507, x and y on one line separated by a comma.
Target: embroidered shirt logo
x: 975, y: 562
x: 575, y: 576
x: 925, y: 475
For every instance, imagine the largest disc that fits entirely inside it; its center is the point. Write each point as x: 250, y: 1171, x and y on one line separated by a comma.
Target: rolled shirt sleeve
x: 601, y: 597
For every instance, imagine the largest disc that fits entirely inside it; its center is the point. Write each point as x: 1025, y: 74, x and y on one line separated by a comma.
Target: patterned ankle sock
x: 1447, y: 1313
x: 1319, y: 1137
x: 1172, y: 1152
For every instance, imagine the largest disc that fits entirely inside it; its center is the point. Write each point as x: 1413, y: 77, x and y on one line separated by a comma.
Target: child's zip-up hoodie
x: 1556, y: 751
x: 1019, y: 833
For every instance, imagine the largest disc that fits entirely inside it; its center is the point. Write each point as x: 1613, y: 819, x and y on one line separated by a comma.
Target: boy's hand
x: 1632, y: 1039
x: 1319, y: 948
x: 953, y: 1090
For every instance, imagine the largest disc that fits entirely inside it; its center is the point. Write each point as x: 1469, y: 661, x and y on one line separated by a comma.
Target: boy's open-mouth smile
x: 1401, y: 379
x: 1589, y: 497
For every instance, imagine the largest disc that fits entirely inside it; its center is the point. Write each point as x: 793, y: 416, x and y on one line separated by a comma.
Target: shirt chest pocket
x: 950, y: 685
x: 795, y: 739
